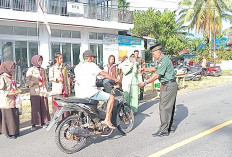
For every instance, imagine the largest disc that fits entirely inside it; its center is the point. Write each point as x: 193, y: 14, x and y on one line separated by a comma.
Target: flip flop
x: 108, y: 124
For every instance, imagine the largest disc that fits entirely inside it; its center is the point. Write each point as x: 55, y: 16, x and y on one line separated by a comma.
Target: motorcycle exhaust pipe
x: 79, y: 131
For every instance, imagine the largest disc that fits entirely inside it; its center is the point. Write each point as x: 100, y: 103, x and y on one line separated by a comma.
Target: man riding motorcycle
x: 85, y: 87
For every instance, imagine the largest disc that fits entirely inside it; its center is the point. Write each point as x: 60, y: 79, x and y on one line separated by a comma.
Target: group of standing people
x: 36, y: 81
x: 129, y: 77
x: 128, y: 73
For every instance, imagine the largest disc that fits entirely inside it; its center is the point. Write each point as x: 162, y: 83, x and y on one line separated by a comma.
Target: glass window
x: 66, y: 51
x: 31, y: 31
x: 55, y: 49
x: 100, y: 36
x: 76, y: 53
x: 33, y: 49
x: 21, y: 54
x: 6, y: 30
x: 76, y: 34
x: 7, y: 51
x: 92, y: 35
x: 93, y: 47
x: 100, y: 53
x: 53, y: 6
x: 66, y: 34
x: 20, y: 30
x: 56, y: 33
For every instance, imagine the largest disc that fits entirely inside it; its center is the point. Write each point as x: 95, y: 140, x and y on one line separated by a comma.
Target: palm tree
x: 228, y: 31
x: 123, y: 4
x: 195, y: 44
x: 200, y: 15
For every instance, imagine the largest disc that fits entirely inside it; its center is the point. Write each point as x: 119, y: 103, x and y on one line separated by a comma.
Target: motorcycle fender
x: 115, y: 117
x: 55, y: 119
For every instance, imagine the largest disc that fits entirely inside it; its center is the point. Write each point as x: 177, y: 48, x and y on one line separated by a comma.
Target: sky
x: 161, y: 5
x: 156, y: 4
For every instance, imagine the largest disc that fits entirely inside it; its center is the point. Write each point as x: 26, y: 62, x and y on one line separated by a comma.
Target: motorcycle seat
x: 78, y: 100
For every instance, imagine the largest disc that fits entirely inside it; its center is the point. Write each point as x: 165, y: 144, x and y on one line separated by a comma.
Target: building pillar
x: 84, y: 42
x: 44, y: 45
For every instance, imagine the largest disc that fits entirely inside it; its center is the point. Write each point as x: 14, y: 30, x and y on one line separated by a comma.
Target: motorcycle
x: 214, y: 71
x: 191, y: 72
x: 85, y: 120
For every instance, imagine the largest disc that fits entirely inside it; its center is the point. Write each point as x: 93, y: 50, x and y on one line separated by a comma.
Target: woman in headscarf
x: 130, y: 82
x: 9, y: 124
x: 60, y: 83
x: 36, y: 81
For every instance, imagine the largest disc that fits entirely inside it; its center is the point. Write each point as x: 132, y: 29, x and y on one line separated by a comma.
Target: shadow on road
x: 181, y: 114
x: 27, y: 131
x: 25, y: 124
x: 139, y: 117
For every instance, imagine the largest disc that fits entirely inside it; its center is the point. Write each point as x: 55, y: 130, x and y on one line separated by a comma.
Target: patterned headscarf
x: 6, y: 67
x: 35, y: 60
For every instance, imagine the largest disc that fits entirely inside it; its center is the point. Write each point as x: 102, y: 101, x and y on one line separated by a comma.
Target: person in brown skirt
x: 60, y: 82
x: 9, y: 124
x: 0, y: 122
x: 36, y: 81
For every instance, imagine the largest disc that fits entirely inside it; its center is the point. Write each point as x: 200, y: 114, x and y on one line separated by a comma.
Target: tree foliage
x: 161, y: 26
x: 123, y: 4
x: 200, y: 14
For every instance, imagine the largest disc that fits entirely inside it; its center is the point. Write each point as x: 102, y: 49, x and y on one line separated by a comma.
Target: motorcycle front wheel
x: 126, y: 119
x: 65, y: 141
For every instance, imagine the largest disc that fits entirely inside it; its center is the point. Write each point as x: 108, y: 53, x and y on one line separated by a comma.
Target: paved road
x: 196, y: 112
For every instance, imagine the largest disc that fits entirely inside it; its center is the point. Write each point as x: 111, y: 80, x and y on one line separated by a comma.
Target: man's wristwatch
x: 145, y: 83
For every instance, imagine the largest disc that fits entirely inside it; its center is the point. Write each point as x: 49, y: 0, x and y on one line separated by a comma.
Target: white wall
x: 226, y: 65
x: 44, y: 48
x: 9, y: 14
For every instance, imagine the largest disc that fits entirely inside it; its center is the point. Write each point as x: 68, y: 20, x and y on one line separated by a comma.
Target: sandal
x: 108, y: 124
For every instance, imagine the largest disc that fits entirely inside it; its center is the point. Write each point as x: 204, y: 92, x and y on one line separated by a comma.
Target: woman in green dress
x: 130, y: 82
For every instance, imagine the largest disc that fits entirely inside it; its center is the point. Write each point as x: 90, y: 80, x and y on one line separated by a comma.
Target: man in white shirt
x: 204, y: 66
x: 85, y: 76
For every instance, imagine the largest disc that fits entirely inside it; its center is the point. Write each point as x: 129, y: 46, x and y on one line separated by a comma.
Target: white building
x: 76, y: 25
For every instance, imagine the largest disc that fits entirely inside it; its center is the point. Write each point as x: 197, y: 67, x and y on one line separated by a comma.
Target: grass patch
x: 226, y: 72
x: 205, y: 82
x: 26, y: 113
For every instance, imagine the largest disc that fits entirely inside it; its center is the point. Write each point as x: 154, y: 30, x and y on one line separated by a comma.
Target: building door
x: 66, y: 51
x: 69, y: 51
x: 55, y: 49
x: 76, y: 53
x: 21, y: 54
x: 33, y: 50
x: 98, y: 52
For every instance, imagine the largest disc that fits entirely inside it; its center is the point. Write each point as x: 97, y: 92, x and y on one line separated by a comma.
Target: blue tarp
x: 219, y: 42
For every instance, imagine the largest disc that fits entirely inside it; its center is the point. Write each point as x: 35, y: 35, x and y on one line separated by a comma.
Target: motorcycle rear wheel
x: 65, y: 141
x: 126, y: 119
